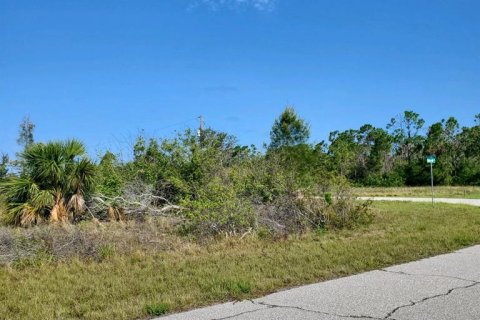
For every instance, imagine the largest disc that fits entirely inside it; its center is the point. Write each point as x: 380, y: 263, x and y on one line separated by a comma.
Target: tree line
x: 390, y: 156
x: 367, y: 156
x: 396, y: 155
x: 214, y: 184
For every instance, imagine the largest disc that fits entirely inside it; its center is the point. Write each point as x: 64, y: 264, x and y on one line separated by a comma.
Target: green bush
x: 348, y: 213
x: 261, y: 179
x: 393, y: 179
x: 218, y: 210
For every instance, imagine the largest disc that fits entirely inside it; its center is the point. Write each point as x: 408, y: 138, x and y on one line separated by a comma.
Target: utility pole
x: 201, y: 129
x: 201, y: 124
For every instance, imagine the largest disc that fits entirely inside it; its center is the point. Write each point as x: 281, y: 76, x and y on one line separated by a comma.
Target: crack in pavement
x: 319, y: 312
x: 239, y: 314
x: 274, y: 306
x: 428, y: 275
x: 388, y: 316
x: 414, y: 303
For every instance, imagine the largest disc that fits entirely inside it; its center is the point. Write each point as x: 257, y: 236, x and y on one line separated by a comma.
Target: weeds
x: 236, y: 289
x: 106, y: 251
x: 157, y: 309
x: 91, y: 241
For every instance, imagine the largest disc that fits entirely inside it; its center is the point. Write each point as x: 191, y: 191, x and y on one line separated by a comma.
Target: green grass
x: 157, y: 309
x: 142, y: 285
x: 469, y: 192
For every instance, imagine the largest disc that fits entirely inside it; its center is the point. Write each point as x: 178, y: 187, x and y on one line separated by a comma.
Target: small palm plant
x: 54, y: 181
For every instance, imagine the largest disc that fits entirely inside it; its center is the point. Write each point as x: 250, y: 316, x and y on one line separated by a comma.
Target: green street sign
x: 431, y: 159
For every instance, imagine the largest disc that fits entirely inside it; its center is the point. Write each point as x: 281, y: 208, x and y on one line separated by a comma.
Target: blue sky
x: 102, y: 71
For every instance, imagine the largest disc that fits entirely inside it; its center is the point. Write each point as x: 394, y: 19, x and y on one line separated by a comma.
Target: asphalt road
x: 445, y: 287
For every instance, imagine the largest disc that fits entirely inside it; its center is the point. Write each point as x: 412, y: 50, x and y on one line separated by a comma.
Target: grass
x: 157, y: 309
x: 141, y: 285
x: 469, y: 192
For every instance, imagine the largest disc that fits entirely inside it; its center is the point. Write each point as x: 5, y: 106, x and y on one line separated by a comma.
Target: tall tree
x: 109, y: 179
x: 374, y: 145
x: 344, y: 151
x: 405, y: 130
x: 442, y: 141
x: 288, y: 130
x: 469, y: 144
x: 360, y: 153
x: 25, y: 135
x: 408, y: 146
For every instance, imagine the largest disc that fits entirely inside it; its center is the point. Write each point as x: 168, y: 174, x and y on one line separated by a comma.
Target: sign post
x: 431, y: 159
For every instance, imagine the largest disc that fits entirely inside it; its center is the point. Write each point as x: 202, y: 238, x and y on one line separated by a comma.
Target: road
x: 445, y: 287
x: 472, y: 202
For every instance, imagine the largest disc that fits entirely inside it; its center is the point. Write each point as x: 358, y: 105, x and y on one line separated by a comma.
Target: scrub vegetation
x: 198, y: 218
x: 213, y: 185
x: 205, y: 184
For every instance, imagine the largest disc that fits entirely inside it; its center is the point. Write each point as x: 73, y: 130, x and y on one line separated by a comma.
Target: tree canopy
x: 288, y: 130
x: 25, y: 134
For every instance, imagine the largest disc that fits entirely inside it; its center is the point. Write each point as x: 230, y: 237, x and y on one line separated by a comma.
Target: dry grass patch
x: 469, y: 192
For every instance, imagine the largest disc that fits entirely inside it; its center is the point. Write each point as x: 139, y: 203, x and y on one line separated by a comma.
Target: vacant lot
x: 147, y: 282
x: 468, y: 192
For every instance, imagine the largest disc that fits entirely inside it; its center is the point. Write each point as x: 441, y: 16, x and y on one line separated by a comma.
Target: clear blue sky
x: 102, y: 70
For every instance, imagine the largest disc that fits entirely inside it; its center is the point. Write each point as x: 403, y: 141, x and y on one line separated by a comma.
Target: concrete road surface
x: 472, y: 202
x: 445, y: 287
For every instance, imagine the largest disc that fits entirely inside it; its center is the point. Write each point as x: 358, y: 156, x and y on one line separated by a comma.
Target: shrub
x: 284, y: 215
x: 346, y: 212
x: 218, y: 210
x: 56, y: 179
x: 293, y: 214
x: 393, y: 179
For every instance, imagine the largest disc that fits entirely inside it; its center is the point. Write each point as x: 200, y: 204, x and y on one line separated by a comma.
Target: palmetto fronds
x: 77, y: 203
x: 55, y: 179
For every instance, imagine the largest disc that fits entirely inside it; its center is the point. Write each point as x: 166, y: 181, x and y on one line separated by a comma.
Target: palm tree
x: 55, y: 179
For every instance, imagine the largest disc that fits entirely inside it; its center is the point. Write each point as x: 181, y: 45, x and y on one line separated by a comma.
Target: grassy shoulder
x: 468, y: 192
x: 141, y: 284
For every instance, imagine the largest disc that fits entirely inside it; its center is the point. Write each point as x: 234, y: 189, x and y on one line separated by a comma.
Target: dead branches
x: 136, y: 202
